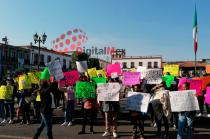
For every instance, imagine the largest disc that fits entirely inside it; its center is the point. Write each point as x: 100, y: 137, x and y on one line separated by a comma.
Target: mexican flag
x: 195, y: 30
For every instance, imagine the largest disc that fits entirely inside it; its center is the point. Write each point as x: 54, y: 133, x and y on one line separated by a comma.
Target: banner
x: 138, y: 101
x: 183, y: 101
x: 34, y: 76
x: 55, y: 69
x: 92, y: 72
x: 70, y: 78
x: 24, y: 82
x: 153, y: 76
x: 207, y: 97
x: 85, y: 90
x: 172, y: 69
x: 102, y: 72
x: 99, y: 80
x: 168, y: 79
x: 82, y: 66
x: 142, y: 70
x: 131, y: 78
x: 108, y: 92
x: 208, y: 69
x: 111, y: 68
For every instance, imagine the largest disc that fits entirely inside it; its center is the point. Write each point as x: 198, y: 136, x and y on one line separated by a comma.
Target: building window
x: 149, y: 65
x: 48, y: 58
x: 132, y: 65
x: 57, y: 58
x: 155, y: 64
x: 124, y: 65
x: 35, y: 59
x: 140, y: 63
x: 42, y: 60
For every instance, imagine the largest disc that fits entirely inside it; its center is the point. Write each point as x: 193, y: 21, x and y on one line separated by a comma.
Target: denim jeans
x: 69, y: 110
x: 8, y: 107
x: 183, y: 118
x: 46, y: 121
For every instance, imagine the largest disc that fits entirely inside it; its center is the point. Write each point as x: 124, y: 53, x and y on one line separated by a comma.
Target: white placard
x: 108, y: 92
x: 138, y: 101
x: 183, y: 101
x: 82, y: 66
x: 55, y: 69
x: 154, y: 76
x: 142, y: 70
x: 114, y: 75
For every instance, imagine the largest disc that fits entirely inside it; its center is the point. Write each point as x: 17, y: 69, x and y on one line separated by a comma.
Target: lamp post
x: 39, y: 39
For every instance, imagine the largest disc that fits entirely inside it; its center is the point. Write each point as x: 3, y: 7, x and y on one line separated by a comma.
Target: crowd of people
x: 42, y: 98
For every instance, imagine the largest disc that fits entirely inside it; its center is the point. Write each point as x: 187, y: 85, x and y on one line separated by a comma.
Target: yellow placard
x: 132, y: 70
x: 24, y: 82
x: 172, y: 69
x: 6, y: 92
x: 102, y: 72
x: 34, y: 77
x: 92, y: 72
x: 38, y: 98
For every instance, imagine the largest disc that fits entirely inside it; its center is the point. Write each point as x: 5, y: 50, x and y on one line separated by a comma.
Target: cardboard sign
x: 183, y: 101
x: 138, y: 101
x: 131, y: 78
x: 142, y: 70
x: 168, y: 79
x: 70, y: 78
x: 55, y: 69
x: 24, y: 82
x: 108, y: 92
x: 85, y: 90
x: 153, y: 76
x: 100, y: 80
x: 102, y: 72
x: 6, y: 92
x: 82, y: 66
x: 172, y: 69
x: 208, y: 69
x: 92, y: 72
x: 111, y: 68
x: 205, y: 81
x: 207, y: 97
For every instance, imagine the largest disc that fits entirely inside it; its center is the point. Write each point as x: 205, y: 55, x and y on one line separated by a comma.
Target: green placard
x: 85, y: 90
x: 168, y: 79
x: 99, y: 80
x: 45, y: 74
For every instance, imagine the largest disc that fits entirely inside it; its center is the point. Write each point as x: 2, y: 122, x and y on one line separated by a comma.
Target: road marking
x: 15, y: 137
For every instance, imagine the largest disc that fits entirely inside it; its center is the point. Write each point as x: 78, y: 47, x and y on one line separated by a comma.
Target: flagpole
x: 195, y: 64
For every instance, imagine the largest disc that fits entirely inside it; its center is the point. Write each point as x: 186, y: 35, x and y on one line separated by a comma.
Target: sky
x: 141, y: 27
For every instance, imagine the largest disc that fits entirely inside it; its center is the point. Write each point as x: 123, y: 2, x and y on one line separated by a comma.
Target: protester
x: 37, y: 102
x: 46, y: 109
x: 90, y: 109
x: 111, y: 109
x: 69, y: 103
x: 185, y: 117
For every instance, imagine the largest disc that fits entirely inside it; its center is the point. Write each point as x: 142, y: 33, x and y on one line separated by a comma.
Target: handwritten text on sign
x: 153, y: 76
x: 131, y: 78
x: 138, y: 101
x: 85, y: 90
x: 108, y: 92
x: 183, y: 101
x: 55, y: 69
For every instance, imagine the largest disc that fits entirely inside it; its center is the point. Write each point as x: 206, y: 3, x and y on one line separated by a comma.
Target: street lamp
x: 39, y: 39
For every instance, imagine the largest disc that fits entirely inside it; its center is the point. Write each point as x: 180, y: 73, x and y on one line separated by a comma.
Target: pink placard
x: 207, y: 97
x: 196, y: 85
x: 131, y: 78
x: 71, y: 77
x: 113, y: 68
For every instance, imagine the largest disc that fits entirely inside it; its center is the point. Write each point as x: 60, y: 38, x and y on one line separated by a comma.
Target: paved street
x: 17, y: 131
